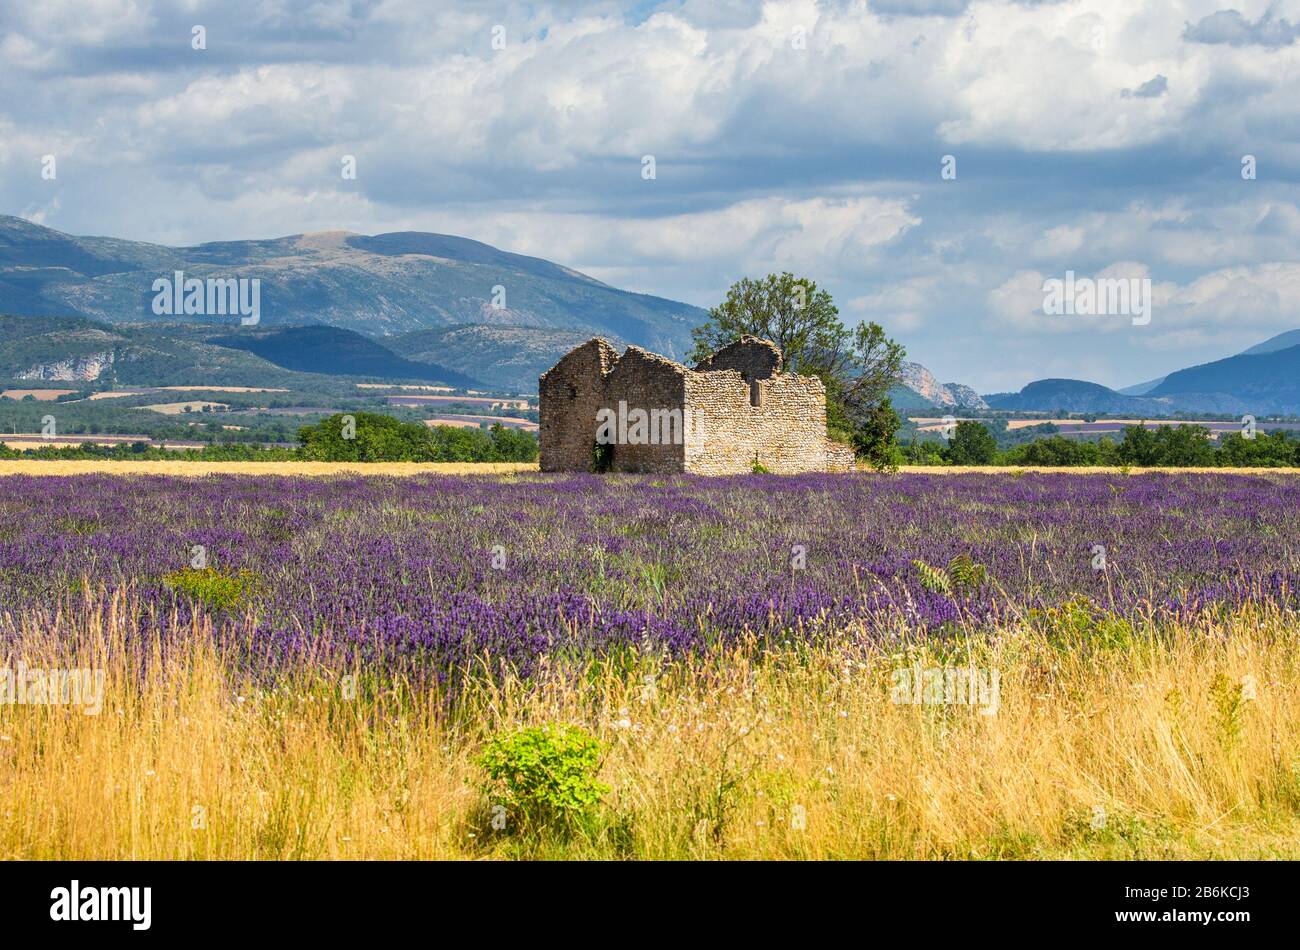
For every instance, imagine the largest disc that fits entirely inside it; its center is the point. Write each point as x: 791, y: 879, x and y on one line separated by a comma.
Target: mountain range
x: 75, y: 349
x: 406, y: 305
x: 381, y: 285
x: 438, y: 308
x: 1262, y: 380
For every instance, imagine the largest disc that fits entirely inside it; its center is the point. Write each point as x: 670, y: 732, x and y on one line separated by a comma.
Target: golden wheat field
x: 1182, y: 746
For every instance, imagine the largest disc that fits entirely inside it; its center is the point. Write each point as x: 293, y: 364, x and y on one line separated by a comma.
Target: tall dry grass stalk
x: 1185, y: 744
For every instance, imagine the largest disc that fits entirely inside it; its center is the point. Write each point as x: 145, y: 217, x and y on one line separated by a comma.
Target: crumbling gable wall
x: 570, y: 394
x: 656, y: 386
x: 751, y: 357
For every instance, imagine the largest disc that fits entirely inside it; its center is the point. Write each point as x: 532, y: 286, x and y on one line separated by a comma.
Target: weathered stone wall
x: 569, y: 395
x: 734, y: 410
x: 656, y: 386
x: 785, y: 432
x: 751, y: 357
x: 840, y: 457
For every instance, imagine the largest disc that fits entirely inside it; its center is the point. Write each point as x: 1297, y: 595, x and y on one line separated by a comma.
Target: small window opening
x: 755, y: 392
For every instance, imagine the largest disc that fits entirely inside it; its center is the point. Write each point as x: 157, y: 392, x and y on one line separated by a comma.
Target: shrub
x: 371, y: 438
x: 1229, y: 705
x: 544, y: 774
x: 209, y: 587
x: 382, y: 438
x: 1079, y: 623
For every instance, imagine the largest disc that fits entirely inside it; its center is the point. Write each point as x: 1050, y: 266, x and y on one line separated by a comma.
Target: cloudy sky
x: 1101, y: 137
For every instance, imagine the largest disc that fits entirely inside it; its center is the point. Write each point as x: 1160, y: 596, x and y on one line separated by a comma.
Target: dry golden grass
x: 176, y: 408
x: 453, y: 422
x: 221, y: 389
x: 190, y: 468
x: 40, y: 395
x: 1154, y: 750
x: 436, y: 389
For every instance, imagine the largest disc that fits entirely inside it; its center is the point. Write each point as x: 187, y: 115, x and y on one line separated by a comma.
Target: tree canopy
x: 856, y: 366
x: 972, y: 444
x: 372, y: 437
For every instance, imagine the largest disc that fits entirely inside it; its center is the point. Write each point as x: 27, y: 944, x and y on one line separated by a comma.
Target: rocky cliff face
x: 74, y: 369
x: 966, y: 396
x: 922, y: 382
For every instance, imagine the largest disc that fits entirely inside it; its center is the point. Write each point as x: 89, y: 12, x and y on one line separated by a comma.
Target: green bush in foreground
x: 543, y: 774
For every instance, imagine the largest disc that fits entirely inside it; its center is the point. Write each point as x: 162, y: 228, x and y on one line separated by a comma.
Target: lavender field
x: 325, y: 667
x: 433, y: 571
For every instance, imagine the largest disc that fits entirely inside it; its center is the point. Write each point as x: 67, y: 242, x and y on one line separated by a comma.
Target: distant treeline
x: 1174, y: 446
x: 344, y: 437
x: 368, y: 437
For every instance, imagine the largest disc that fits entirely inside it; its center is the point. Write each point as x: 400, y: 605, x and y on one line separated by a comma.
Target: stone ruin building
x: 642, y: 412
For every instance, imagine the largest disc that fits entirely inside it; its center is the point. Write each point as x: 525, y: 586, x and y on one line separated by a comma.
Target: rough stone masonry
x: 651, y: 414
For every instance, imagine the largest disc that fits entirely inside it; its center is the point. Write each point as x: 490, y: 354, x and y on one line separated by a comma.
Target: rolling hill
x: 1074, y: 395
x: 1080, y: 396
x: 338, y: 352
x: 78, y: 350
x: 1141, y: 389
x: 1280, y: 342
x: 1260, y: 382
x: 379, y: 285
x: 502, y: 356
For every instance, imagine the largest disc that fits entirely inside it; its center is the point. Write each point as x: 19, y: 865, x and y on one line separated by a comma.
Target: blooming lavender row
x: 439, y: 570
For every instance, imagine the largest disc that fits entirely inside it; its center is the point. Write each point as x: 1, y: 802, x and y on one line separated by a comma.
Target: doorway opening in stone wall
x: 602, y: 457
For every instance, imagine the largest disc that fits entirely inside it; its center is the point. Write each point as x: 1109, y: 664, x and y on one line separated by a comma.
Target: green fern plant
x: 965, y: 574
x: 933, y: 579
x: 962, y: 575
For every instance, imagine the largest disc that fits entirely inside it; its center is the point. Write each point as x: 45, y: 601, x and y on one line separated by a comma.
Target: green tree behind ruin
x: 857, y: 366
